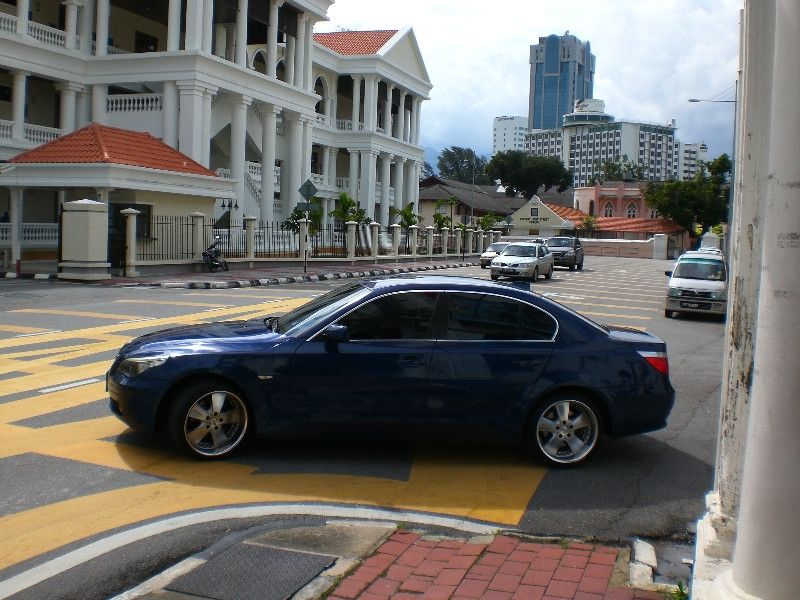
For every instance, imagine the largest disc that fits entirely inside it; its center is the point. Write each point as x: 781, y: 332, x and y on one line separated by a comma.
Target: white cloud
x: 651, y: 57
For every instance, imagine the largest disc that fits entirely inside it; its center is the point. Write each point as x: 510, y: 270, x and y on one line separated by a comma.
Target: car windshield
x: 496, y: 247
x: 513, y: 250
x: 700, y: 268
x: 311, y: 313
x: 559, y: 242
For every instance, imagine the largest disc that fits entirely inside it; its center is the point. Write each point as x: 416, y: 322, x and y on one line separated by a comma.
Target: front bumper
x: 702, y: 306
x: 135, y: 402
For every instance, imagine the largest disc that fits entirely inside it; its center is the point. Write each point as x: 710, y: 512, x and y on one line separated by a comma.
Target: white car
x: 490, y: 252
x: 523, y: 259
x: 698, y: 284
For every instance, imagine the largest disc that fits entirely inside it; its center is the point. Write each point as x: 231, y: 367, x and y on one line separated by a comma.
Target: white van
x: 698, y: 284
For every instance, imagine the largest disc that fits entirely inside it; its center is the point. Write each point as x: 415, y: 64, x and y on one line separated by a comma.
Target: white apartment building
x: 508, y: 133
x: 590, y: 137
x: 244, y: 87
x: 690, y: 156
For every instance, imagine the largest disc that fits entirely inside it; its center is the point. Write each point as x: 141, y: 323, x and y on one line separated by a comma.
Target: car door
x: 490, y: 352
x: 379, y: 376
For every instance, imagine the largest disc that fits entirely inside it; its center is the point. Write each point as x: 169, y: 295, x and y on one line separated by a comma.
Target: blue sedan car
x: 434, y: 355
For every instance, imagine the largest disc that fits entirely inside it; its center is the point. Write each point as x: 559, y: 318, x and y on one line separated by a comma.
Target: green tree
x: 427, y: 170
x: 459, y: 164
x: 406, y: 217
x: 348, y: 210
x: 314, y: 216
x: 697, y: 204
x: 443, y: 221
x: 488, y: 220
x: 523, y: 173
x: 617, y: 170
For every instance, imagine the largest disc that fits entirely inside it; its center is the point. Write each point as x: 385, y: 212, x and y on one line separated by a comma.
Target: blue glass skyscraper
x: 562, y: 71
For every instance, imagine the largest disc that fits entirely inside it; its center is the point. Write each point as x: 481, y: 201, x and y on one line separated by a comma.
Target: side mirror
x: 668, y: 273
x: 336, y: 333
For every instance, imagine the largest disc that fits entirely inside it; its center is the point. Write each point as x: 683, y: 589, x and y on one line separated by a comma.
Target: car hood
x: 703, y: 285
x: 211, y: 337
x: 512, y: 260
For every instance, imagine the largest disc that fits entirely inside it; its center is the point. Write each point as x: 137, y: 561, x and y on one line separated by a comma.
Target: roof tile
x: 97, y: 143
x: 355, y: 42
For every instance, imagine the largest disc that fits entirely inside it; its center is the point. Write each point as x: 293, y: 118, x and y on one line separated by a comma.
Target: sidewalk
x: 362, y: 560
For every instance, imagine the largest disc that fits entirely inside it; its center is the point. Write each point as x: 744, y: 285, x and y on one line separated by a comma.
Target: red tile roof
x: 637, y: 225
x: 567, y: 212
x: 354, y: 42
x: 97, y: 143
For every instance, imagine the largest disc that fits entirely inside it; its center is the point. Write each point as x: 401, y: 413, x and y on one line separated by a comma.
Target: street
x: 78, y: 473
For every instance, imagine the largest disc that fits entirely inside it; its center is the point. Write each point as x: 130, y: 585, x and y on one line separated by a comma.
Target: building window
x: 144, y: 42
x: 609, y: 210
x: 631, y: 211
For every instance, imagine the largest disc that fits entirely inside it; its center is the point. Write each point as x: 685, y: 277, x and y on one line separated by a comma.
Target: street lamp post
x: 735, y: 103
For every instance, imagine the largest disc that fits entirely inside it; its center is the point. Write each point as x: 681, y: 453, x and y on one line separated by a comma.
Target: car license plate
x: 509, y: 271
x: 694, y: 305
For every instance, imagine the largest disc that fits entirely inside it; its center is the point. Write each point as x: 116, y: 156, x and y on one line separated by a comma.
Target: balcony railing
x: 34, y: 235
x: 135, y: 103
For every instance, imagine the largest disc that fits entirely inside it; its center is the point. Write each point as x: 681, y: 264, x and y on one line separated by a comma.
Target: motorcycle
x: 213, y: 259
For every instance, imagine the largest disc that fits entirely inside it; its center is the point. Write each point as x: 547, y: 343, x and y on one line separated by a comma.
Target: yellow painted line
x: 75, y: 313
x: 21, y: 329
x: 43, y: 404
x: 571, y: 302
x: 45, y: 376
x: 172, y: 303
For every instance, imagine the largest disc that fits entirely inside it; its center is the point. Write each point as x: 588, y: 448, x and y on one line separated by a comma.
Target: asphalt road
x: 77, y: 474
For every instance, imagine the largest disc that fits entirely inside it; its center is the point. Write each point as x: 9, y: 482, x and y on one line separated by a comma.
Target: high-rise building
x: 508, y: 133
x: 562, y: 72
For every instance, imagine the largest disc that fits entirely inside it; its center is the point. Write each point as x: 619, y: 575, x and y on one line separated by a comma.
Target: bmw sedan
x: 525, y: 260
x: 434, y: 356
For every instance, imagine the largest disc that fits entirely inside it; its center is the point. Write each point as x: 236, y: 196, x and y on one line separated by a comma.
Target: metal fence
x: 168, y: 238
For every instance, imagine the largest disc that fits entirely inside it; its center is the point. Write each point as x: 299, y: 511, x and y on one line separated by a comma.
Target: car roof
x: 525, y: 244
x: 709, y: 253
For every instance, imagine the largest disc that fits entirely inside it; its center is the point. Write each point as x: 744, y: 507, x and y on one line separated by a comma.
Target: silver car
x: 523, y: 259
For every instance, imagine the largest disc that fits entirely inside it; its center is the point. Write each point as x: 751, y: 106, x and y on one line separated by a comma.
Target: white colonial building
x: 242, y: 87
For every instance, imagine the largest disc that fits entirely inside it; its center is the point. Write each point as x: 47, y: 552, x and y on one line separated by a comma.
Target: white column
x: 366, y: 194
x: 238, y: 142
x: 15, y: 219
x: 208, y: 26
x: 333, y: 154
x: 268, y: 134
x: 193, y: 39
x: 18, y: 100
x: 23, y: 8
x: 205, y: 129
x: 386, y: 163
x: 401, y: 116
x: 416, y: 120
x: 191, y: 113
x: 70, y: 23
x: 230, y: 42
x: 294, y: 122
x: 353, y: 174
x: 409, y: 194
x: 86, y: 26
x: 100, y: 103
x: 765, y: 553
x: 399, y: 185
x: 300, y: 53
x: 174, y: 26
x: 83, y: 110
x: 326, y: 163
x: 169, y: 111
x: 241, y: 34
x: 356, y: 113
x: 387, y: 110
x: 68, y: 92
x: 309, y: 43
x: 370, y: 102
x: 288, y: 59
x: 272, y: 37
x: 305, y: 171
x: 103, y: 16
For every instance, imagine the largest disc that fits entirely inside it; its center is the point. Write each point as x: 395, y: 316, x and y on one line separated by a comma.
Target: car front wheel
x: 564, y: 429
x: 535, y: 276
x: 208, y: 420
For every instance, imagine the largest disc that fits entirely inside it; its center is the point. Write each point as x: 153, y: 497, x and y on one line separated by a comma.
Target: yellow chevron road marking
x: 74, y: 313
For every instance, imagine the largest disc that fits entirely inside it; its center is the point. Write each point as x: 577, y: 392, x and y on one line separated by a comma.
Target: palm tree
x: 405, y: 218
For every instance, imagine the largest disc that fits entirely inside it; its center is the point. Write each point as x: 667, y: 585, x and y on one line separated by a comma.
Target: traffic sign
x: 308, y: 189
x: 304, y: 206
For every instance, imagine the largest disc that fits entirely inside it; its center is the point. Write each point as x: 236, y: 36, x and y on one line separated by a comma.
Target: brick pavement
x: 412, y: 567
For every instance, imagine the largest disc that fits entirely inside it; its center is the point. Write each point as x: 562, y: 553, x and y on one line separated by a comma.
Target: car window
x: 403, y: 315
x: 559, y: 242
x: 513, y: 250
x: 313, y: 312
x: 475, y: 316
x: 700, y: 268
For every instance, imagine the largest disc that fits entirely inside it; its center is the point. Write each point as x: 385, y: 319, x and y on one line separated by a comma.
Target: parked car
x: 490, y: 252
x: 433, y: 357
x: 523, y: 259
x: 567, y: 252
x: 698, y: 283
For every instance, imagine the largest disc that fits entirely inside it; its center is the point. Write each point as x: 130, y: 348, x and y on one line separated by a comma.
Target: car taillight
x: 658, y: 360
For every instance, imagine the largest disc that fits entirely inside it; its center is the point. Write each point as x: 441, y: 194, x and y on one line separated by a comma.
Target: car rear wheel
x: 564, y: 429
x: 494, y: 277
x: 208, y: 420
x: 669, y: 314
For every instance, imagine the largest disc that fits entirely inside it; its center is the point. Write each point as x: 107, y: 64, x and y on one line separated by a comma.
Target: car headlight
x: 569, y: 253
x: 718, y: 295
x: 131, y: 367
x: 674, y: 292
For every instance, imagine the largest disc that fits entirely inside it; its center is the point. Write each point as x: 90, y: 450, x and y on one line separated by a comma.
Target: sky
x: 651, y: 57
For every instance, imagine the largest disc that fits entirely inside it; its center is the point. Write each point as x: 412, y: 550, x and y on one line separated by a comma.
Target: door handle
x: 412, y: 361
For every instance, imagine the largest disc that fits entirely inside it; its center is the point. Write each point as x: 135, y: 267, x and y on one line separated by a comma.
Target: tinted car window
x: 308, y: 315
x: 536, y: 324
x: 489, y: 317
x: 404, y: 315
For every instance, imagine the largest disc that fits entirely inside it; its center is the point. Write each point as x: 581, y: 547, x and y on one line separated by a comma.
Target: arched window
x: 609, y: 211
x: 631, y: 211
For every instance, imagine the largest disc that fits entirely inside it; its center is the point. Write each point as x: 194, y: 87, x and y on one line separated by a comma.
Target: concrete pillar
x: 288, y: 58
x: 84, y: 247
x: 197, y: 234
x: 71, y: 23
x: 353, y: 175
x: 412, y: 237
x: 293, y: 130
x: 100, y: 103
x: 430, y: 231
x: 169, y: 111
x: 370, y: 102
x: 272, y: 37
x: 368, y: 177
x: 207, y: 25
x: 268, y: 144
x: 193, y: 36
x: 23, y: 8
x: 387, y: 110
x: 300, y: 53
x: 401, y: 116
x: 205, y: 129
x: 191, y: 97
x: 86, y: 26
x: 83, y: 108
x: 68, y: 93
x: 659, y: 246
x: 399, y: 185
x: 238, y: 142
x: 374, y: 228
x: 250, y: 235
x: 469, y: 247
x: 308, y: 54
x: 445, y: 239
x: 174, y: 26
x: 241, y: 34
x: 356, y: 114
x: 18, y: 100
x: 103, y: 18
x: 396, y: 231
x: 351, y: 239
x: 15, y: 220
x: 385, y: 177
x: 130, y: 241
